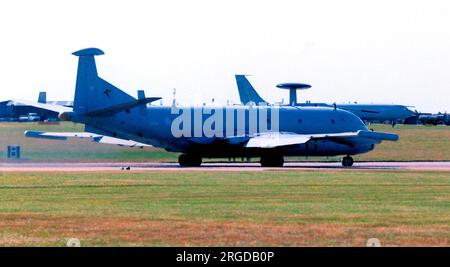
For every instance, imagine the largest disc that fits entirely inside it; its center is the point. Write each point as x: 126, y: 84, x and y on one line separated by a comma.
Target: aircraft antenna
x: 174, y: 97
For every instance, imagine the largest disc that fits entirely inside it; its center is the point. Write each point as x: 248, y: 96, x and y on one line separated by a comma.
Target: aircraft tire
x: 272, y: 161
x: 347, y: 161
x: 189, y: 160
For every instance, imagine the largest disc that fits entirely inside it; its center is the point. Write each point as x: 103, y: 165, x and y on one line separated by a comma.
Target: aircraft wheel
x: 182, y: 160
x: 188, y: 160
x: 272, y: 161
x: 196, y: 161
x: 347, y: 161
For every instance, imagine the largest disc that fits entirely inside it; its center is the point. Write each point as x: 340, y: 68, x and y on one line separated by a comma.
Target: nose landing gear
x: 347, y: 161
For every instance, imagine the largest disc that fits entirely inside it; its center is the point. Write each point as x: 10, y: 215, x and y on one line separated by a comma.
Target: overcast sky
x: 365, y: 51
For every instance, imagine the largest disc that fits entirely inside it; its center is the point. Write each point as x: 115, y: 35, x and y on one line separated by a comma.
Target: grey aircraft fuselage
x: 382, y: 113
x: 266, y: 131
x: 154, y: 128
x: 371, y: 112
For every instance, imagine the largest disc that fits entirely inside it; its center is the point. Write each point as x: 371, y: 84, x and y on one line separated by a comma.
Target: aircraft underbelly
x: 314, y: 148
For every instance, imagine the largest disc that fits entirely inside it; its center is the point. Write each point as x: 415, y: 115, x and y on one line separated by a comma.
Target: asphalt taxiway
x: 253, y: 166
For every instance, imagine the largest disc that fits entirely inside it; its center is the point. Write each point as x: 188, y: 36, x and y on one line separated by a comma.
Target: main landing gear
x: 347, y: 161
x: 189, y: 160
x: 272, y: 161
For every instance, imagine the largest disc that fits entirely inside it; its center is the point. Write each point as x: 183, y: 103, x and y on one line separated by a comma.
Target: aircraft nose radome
x: 88, y: 52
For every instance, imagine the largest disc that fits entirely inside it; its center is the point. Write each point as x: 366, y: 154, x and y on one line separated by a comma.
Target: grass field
x: 416, y: 143
x: 273, y: 208
x: 76, y: 150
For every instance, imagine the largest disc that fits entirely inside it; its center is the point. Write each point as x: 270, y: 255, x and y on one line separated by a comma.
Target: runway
x: 87, y: 167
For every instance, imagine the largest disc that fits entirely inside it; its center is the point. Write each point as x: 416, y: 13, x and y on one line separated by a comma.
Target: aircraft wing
x: 51, y: 107
x: 103, y: 139
x: 272, y: 140
x: 116, y: 141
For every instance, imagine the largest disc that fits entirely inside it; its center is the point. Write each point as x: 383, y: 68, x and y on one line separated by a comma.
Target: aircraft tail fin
x: 92, y: 92
x: 42, y: 98
x: 246, y: 91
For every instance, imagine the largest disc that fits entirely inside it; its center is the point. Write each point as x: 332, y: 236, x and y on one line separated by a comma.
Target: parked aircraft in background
x: 267, y: 132
x: 381, y: 113
x: 43, y: 100
x: 434, y: 119
x: 30, y: 117
x: 30, y: 111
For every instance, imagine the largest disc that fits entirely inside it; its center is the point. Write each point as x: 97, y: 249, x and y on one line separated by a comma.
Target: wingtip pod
x: 88, y: 52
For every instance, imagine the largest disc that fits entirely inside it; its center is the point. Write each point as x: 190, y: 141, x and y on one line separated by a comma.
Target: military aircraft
x: 42, y: 98
x: 367, y: 112
x: 64, y: 107
x: 269, y: 132
x: 435, y: 119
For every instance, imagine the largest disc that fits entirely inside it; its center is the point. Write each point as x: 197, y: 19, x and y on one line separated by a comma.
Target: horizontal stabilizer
x: 121, y: 107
